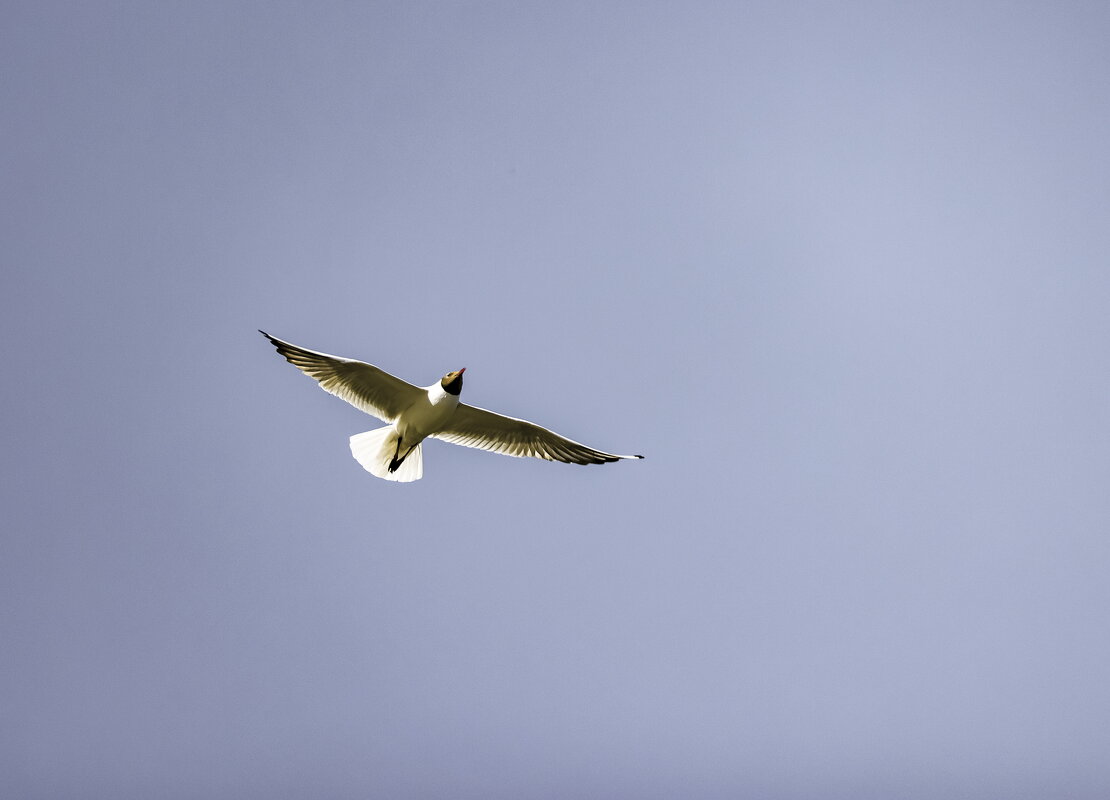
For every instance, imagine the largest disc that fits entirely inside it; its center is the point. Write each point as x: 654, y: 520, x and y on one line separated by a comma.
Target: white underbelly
x: 425, y: 417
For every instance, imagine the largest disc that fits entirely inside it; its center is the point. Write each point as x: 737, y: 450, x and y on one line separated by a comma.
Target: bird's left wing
x: 362, y: 385
x: 475, y: 427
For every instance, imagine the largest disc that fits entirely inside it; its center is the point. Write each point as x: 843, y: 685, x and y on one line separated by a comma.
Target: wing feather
x: 363, y: 385
x: 485, y: 430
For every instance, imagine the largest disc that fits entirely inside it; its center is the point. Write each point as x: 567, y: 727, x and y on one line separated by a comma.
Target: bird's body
x: 428, y: 414
x: 415, y: 413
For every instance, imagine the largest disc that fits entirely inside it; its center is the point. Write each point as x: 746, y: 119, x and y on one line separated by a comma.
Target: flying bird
x: 416, y: 412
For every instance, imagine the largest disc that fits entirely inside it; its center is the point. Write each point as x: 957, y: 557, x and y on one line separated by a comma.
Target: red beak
x: 461, y: 371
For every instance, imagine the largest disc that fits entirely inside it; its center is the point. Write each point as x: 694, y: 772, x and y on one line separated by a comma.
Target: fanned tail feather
x: 375, y: 451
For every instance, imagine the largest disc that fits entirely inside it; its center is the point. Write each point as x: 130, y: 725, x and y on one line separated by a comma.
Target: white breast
x: 428, y: 414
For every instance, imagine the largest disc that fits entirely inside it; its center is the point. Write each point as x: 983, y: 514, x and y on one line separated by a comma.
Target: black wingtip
x: 639, y: 456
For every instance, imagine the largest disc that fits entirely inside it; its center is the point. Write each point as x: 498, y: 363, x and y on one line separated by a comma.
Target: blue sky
x: 840, y: 271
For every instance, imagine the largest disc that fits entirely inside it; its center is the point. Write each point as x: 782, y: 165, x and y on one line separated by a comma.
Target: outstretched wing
x: 475, y: 427
x: 362, y: 385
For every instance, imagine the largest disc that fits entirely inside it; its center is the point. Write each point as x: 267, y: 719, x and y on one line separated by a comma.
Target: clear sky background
x: 841, y: 271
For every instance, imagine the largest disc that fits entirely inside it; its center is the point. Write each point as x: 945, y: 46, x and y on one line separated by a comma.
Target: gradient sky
x: 840, y: 270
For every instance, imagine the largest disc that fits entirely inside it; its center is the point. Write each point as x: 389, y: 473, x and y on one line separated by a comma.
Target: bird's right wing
x: 362, y: 385
x: 475, y: 427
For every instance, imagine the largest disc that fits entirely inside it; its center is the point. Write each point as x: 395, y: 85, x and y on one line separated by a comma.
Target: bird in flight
x: 417, y: 412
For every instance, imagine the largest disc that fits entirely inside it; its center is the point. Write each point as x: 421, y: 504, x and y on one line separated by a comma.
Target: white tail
x: 375, y: 450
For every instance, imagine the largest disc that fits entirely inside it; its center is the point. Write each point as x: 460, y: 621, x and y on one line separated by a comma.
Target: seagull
x: 416, y: 412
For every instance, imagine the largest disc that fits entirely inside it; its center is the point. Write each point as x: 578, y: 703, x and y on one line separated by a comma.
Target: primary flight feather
x: 416, y: 412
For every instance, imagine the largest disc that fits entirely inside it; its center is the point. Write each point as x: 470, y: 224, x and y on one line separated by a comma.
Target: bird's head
x: 452, y: 381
